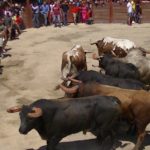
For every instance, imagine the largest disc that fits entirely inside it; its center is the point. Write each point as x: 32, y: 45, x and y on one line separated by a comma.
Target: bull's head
x: 73, y: 61
x: 99, y: 58
x: 69, y: 68
x: 28, y: 117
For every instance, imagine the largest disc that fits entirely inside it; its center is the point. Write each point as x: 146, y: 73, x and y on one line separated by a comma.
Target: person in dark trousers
x: 65, y: 9
x: 44, y: 11
x: 35, y: 19
x: 56, y: 15
x: 138, y: 12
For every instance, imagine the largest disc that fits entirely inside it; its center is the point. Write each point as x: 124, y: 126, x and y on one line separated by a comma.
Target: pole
x: 110, y: 11
x: 27, y: 14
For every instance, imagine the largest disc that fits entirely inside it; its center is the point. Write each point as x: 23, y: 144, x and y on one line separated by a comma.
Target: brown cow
x: 73, y: 61
x: 135, y: 104
x: 114, y: 46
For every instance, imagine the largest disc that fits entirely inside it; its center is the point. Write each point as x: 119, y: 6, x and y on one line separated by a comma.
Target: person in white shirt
x: 50, y: 16
x: 129, y: 12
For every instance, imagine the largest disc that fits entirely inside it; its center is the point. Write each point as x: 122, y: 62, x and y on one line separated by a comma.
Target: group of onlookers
x: 11, y: 23
x: 58, y: 12
x: 134, y: 11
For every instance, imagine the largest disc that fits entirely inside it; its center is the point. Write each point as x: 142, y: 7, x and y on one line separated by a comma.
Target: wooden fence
x: 101, y: 14
x: 119, y: 13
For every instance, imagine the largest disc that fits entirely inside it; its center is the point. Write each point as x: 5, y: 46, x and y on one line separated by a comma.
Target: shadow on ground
x: 93, y: 144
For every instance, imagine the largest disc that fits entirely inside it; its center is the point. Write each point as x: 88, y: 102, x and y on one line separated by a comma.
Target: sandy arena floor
x: 33, y: 71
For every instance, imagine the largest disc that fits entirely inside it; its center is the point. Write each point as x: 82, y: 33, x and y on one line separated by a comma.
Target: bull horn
x: 37, y: 112
x: 94, y: 43
x: 14, y: 109
x: 86, y: 51
x: 74, y: 80
x: 72, y: 90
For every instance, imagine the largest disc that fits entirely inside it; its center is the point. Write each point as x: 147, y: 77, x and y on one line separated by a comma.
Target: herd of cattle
x: 94, y: 101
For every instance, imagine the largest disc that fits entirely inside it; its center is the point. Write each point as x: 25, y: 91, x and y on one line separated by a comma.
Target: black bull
x: 118, y: 69
x: 54, y: 120
x: 93, y: 76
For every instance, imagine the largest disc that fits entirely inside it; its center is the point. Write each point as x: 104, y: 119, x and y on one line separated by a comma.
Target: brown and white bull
x: 114, y: 46
x: 73, y: 61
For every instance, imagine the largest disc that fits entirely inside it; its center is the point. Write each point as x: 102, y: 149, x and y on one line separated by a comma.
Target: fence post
x: 27, y: 15
x: 110, y: 11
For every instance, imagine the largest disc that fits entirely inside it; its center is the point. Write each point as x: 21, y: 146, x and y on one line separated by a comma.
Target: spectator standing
x: 44, y: 11
x: 96, y: 3
x: 79, y: 16
x: 90, y: 16
x: 3, y: 38
x: 1, y: 12
x: 84, y: 12
x: 39, y: 2
x: 129, y: 13
x: 8, y: 20
x: 50, y: 16
x: 133, y: 10
x: 56, y: 15
x: 35, y: 19
x: 65, y: 9
x: 15, y: 9
x: 138, y: 12
x: 7, y: 11
x: 74, y: 12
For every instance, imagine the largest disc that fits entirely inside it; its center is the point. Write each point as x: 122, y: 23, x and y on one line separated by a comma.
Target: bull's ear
x: 36, y: 112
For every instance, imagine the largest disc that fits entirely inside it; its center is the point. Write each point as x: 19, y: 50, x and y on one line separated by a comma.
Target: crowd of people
x: 57, y: 12
x: 44, y: 13
x: 11, y: 23
x: 49, y: 12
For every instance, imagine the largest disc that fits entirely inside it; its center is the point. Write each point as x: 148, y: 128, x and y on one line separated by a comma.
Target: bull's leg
x: 51, y: 143
x: 141, y: 134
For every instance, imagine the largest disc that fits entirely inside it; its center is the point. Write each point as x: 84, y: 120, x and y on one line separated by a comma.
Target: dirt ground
x: 33, y: 70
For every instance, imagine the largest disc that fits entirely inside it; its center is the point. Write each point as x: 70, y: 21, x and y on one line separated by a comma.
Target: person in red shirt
x: 89, y: 16
x: 56, y: 15
x: 74, y: 12
x: 84, y: 12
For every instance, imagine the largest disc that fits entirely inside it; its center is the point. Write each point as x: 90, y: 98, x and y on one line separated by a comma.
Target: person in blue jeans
x: 65, y: 9
x: 35, y: 19
x: 56, y: 15
x: 44, y: 11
